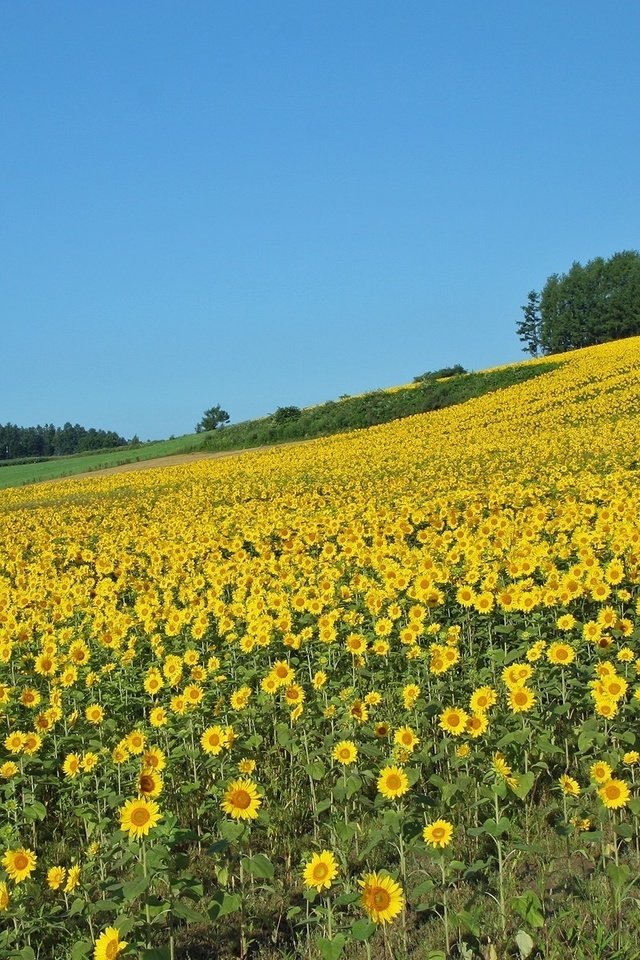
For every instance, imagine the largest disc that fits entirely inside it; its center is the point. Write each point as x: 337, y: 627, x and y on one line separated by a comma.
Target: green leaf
x: 157, y: 953
x: 76, y: 907
x: 332, y: 949
x: 625, y: 830
x: 35, y: 811
x: 27, y: 953
x: 81, y: 949
x: 634, y: 806
x: 133, y: 889
x: 258, y: 866
x: 362, y: 929
x: 104, y: 906
x: 231, y: 830
x: 497, y: 829
x: 224, y: 903
x: 525, y: 944
x: 316, y: 770
x: 529, y: 907
x: 524, y: 784
x: 618, y: 874
x: 181, y: 909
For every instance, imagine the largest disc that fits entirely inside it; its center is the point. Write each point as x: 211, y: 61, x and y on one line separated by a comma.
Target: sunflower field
x: 374, y: 696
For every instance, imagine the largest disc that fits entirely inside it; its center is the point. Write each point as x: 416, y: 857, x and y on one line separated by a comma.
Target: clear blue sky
x: 261, y: 204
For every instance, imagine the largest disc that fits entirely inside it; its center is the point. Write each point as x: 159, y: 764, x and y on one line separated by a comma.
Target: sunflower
x: 241, y: 800
x: 4, y: 895
x: 561, y: 653
x: 406, y: 738
x: 438, y: 833
x: 345, y: 752
x: 482, y: 699
x: 392, y: 782
x: 137, y: 817
x: 109, y: 945
x: 410, y: 694
x: 453, y: 721
x: 55, y: 877
x: 73, y: 878
x: 600, y: 772
x: 382, y: 897
x: 477, y: 725
x: 502, y: 768
x: 135, y: 741
x: 213, y: 740
x: 521, y: 699
x: 321, y: 870
x: 282, y: 673
x: 19, y: 863
x: 72, y: 765
x: 294, y: 694
x: 94, y: 714
x: 150, y: 783
x: 154, y: 758
x: 614, y: 794
x: 158, y: 717
x: 569, y: 786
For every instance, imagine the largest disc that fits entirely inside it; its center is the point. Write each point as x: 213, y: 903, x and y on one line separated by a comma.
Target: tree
x: 529, y: 327
x: 212, y: 418
x: 589, y: 304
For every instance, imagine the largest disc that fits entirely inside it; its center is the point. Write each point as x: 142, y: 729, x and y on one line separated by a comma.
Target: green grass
x: 325, y: 419
x: 15, y: 475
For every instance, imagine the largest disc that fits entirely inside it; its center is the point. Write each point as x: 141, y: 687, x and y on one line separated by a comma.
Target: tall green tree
x: 589, y: 304
x: 212, y: 418
x: 529, y: 327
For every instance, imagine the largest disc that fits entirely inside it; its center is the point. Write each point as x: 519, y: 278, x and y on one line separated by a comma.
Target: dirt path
x: 177, y: 458
x: 169, y: 461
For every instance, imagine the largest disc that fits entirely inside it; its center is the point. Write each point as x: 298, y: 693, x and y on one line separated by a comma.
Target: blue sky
x: 262, y: 204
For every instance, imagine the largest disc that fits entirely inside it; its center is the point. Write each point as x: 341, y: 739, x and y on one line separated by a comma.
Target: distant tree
x: 283, y: 414
x: 442, y: 374
x: 589, y: 304
x: 529, y: 327
x: 212, y: 419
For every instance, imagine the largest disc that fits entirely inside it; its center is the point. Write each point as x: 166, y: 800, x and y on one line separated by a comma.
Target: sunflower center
x: 140, y: 816
x: 320, y: 871
x: 241, y: 799
x: 146, y: 783
x: 112, y: 950
x: 613, y: 791
x: 21, y: 861
x: 454, y: 719
x: 393, y: 781
x: 380, y: 898
x: 438, y: 833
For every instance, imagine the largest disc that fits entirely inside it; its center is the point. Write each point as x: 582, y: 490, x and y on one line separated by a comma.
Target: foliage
x: 528, y: 329
x: 20, y: 443
x: 591, y: 304
x: 441, y: 374
x: 283, y: 414
x: 213, y: 418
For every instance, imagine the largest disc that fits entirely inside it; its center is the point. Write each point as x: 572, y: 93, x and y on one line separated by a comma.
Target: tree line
x: 18, y: 443
x: 590, y: 304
